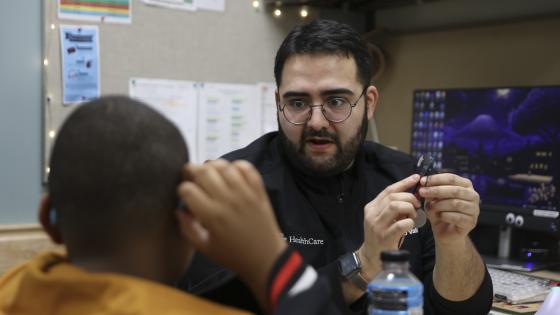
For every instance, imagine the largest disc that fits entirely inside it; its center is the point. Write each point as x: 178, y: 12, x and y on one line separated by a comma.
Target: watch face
x: 348, y: 265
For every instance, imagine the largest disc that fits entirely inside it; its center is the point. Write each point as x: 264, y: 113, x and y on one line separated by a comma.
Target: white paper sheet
x: 212, y: 5
x: 229, y: 118
x: 188, y: 5
x: 176, y: 100
x: 267, y: 99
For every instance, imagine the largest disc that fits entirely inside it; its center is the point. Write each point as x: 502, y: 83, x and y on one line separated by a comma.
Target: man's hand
x: 452, y: 206
x: 386, y: 219
x: 230, y: 220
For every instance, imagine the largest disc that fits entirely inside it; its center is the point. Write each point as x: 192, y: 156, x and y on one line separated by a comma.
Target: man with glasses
x: 341, y: 200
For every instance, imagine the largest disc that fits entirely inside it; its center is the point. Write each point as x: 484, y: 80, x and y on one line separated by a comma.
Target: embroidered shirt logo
x: 413, y: 231
x: 302, y: 240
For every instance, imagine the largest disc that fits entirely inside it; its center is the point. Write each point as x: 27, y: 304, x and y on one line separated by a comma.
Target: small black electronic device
x: 424, y: 167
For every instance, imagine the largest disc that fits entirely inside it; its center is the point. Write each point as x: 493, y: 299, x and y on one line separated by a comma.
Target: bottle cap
x: 395, y: 255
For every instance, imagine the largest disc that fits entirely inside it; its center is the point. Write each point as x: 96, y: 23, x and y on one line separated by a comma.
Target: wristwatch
x: 350, y: 267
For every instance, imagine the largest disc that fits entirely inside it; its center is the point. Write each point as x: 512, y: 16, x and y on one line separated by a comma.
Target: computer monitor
x: 505, y: 140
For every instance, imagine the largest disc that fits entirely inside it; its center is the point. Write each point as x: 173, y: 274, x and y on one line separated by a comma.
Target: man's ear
x: 277, y: 97
x: 372, y: 97
x: 48, y: 217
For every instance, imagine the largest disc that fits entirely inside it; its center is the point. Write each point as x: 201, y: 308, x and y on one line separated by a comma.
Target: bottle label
x: 396, y: 300
x: 390, y: 300
x: 412, y: 311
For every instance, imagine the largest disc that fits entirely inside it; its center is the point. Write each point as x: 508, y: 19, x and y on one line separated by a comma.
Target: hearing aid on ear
x: 52, y: 216
x: 182, y: 206
x: 425, y: 168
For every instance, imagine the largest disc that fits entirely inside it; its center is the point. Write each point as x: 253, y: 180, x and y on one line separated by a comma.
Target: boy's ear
x: 48, y: 217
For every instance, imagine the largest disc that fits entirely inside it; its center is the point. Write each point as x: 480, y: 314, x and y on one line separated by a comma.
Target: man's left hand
x: 452, y: 206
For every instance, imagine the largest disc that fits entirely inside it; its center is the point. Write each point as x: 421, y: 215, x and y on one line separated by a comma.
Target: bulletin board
x: 236, y: 45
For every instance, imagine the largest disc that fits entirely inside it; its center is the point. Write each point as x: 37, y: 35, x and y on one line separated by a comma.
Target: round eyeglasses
x: 335, y: 109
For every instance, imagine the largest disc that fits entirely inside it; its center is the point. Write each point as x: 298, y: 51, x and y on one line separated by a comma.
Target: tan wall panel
x: 516, y: 54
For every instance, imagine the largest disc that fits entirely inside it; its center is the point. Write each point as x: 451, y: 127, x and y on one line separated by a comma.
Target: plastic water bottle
x: 395, y: 290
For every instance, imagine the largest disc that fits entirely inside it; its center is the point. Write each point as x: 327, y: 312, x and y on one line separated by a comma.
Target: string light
x: 277, y: 13
x: 256, y: 4
x: 48, y: 169
x: 53, y: 26
x: 46, y: 62
x: 303, y: 12
x: 52, y: 133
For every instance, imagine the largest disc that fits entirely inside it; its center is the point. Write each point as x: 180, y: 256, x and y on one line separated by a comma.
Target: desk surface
x: 501, y: 308
x: 504, y: 308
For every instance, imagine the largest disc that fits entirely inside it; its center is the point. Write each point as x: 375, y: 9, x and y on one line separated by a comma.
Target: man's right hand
x: 386, y: 219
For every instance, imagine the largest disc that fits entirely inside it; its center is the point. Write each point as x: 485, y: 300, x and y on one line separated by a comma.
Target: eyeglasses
x: 335, y: 109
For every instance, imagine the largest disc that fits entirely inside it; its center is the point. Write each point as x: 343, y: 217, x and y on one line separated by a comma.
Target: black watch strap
x: 350, y: 267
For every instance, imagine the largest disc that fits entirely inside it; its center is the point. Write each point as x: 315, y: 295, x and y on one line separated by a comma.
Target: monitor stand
x: 504, y: 243
x: 504, y: 260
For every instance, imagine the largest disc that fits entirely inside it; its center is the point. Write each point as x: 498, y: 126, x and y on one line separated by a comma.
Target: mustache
x: 322, y: 133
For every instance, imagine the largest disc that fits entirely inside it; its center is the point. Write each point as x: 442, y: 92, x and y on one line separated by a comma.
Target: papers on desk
x: 214, y: 118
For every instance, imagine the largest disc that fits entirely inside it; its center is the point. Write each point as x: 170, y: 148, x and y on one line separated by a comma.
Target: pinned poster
x: 111, y: 11
x: 229, y: 118
x: 80, y: 63
x: 174, y: 99
x: 267, y: 98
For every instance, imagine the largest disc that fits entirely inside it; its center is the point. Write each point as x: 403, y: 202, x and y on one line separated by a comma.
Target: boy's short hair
x: 114, y: 169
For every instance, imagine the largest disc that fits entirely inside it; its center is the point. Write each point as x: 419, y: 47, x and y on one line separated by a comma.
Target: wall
x: 20, y: 110
x: 235, y: 46
x: 521, y: 53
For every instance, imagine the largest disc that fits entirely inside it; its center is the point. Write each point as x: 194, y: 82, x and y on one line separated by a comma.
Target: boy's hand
x: 230, y: 219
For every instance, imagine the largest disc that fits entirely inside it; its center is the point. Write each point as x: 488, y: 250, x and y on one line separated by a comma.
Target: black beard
x: 338, y: 163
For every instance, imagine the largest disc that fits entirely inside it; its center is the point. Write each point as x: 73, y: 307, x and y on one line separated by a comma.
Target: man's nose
x: 317, y: 120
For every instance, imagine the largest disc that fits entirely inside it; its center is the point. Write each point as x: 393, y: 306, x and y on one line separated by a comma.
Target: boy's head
x: 114, y: 171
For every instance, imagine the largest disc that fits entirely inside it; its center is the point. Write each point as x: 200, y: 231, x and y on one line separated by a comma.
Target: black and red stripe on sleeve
x: 285, y: 274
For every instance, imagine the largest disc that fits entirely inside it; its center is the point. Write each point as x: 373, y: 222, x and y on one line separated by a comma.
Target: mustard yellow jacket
x: 48, y: 284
